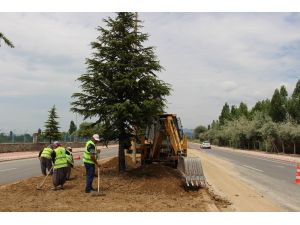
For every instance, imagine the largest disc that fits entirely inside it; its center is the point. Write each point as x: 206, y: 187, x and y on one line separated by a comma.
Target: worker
x: 90, y: 161
x: 60, y: 167
x: 70, y: 160
x: 45, y: 158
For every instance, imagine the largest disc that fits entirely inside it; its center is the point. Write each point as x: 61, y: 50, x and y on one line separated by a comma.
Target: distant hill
x: 188, y: 132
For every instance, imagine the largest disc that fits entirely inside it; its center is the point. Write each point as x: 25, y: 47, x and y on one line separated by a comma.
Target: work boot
x: 54, y: 189
x: 60, y: 187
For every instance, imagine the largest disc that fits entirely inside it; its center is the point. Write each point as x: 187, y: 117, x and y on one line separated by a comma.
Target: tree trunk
x: 294, y: 147
x: 266, y: 146
x: 122, y: 165
x: 283, y: 150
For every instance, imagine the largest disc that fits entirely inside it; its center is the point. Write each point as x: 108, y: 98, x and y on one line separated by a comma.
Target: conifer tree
x: 51, y: 126
x: 120, y: 88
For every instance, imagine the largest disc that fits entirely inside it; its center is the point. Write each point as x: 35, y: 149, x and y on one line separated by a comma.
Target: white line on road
x: 249, y: 167
x: 8, y: 169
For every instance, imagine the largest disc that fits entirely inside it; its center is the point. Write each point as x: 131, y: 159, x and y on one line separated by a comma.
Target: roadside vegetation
x: 271, y: 125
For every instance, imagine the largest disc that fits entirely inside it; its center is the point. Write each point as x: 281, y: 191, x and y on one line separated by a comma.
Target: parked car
x: 205, y: 144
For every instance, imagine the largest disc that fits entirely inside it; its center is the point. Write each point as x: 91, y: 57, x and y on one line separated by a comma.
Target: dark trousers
x: 59, y: 176
x: 90, y: 173
x: 46, y: 164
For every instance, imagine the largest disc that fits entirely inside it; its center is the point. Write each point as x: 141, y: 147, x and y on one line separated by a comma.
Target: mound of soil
x: 146, y: 188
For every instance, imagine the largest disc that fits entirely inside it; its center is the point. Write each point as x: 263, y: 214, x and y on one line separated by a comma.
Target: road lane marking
x: 7, y: 169
x: 249, y: 167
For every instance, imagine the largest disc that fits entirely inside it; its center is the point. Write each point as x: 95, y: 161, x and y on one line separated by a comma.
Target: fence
x: 12, y: 138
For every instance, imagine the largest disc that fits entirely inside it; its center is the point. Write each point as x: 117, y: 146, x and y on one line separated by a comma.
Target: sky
x: 208, y: 58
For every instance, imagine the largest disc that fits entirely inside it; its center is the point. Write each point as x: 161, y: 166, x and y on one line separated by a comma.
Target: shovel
x: 39, y: 187
x: 98, y: 193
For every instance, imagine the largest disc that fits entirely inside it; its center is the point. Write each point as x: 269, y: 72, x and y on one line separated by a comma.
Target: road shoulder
x: 225, y: 181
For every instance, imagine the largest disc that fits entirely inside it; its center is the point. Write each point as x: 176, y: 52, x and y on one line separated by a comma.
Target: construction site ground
x: 149, y: 188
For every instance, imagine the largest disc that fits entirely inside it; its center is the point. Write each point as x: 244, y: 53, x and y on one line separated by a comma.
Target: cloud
x: 209, y: 59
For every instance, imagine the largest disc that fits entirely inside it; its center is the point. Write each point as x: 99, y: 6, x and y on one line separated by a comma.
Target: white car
x: 205, y: 144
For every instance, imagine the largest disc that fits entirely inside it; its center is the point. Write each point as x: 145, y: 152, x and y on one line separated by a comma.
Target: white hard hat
x: 96, y: 137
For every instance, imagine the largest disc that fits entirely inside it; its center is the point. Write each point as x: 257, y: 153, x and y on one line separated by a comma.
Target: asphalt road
x: 16, y: 170
x: 271, y: 177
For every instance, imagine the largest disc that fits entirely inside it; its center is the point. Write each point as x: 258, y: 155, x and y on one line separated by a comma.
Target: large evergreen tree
x: 51, y: 125
x: 6, y: 41
x: 120, y: 87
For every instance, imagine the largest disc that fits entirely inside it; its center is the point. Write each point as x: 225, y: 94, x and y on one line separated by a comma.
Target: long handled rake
x: 39, y: 187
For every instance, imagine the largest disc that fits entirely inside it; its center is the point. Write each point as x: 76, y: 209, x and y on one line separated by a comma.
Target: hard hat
x: 96, y: 137
x: 56, y: 143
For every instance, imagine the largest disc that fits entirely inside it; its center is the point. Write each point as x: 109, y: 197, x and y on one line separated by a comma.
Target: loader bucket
x: 191, y: 169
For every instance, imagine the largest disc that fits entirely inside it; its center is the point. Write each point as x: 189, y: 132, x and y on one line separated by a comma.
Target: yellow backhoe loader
x: 164, y: 141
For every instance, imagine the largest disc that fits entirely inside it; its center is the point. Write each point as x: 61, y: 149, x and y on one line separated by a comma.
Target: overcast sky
x: 209, y: 59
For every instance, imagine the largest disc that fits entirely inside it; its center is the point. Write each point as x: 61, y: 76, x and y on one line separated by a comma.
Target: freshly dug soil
x: 148, y: 188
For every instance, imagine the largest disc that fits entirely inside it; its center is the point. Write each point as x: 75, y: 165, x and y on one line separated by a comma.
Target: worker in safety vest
x: 90, y: 161
x: 45, y: 158
x: 60, y: 167
x: 70, y: 160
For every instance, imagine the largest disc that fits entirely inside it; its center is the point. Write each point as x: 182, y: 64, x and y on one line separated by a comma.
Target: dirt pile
x: 148, y: 188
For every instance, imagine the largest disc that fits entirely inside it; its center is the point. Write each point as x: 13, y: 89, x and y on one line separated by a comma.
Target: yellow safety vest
x: 46, y: 153
x: 60, y: 159
x: 87, y: 154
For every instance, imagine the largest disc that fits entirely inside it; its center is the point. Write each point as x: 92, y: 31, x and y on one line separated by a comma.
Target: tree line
x: 270, y: 125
